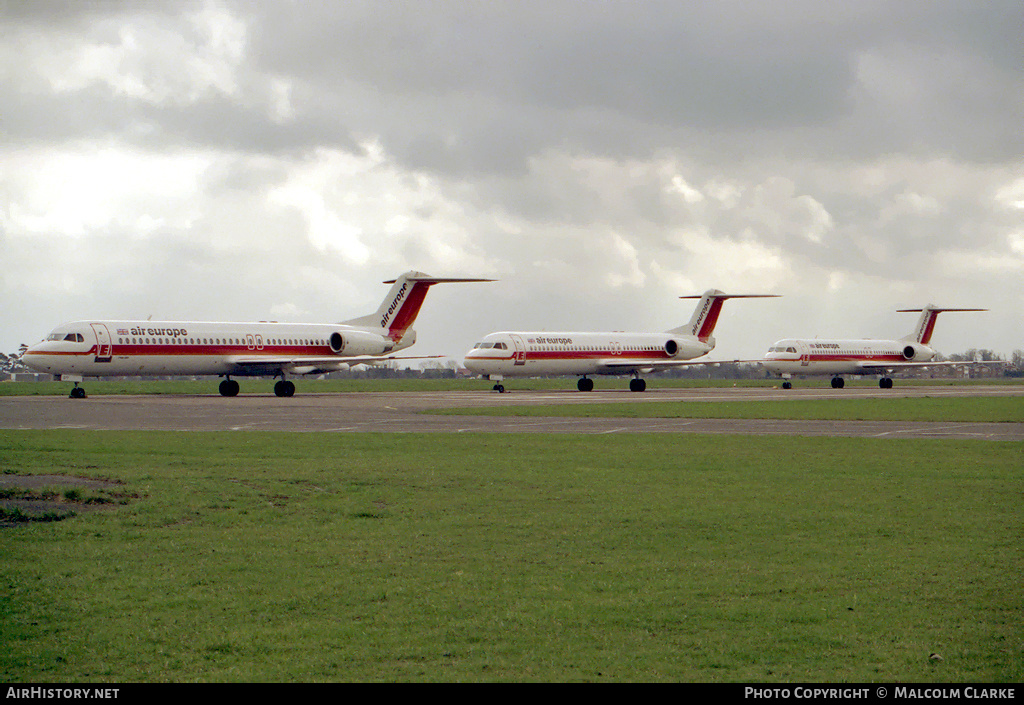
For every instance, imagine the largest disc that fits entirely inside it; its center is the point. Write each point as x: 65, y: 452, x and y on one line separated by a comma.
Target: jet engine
x: 686, y: 349
x: 918, y: 352
x: 673, y: 347
x: 351, y: 343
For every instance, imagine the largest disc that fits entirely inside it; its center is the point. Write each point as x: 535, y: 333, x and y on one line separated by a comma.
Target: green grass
x: 402, y: 557
x: 952, y: 409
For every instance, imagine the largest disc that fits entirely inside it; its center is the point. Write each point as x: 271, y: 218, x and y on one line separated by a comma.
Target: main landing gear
x: 284, y: 388
x: 883, y: 383
x: 77, y: 392
x: 838, y: 383
x: 229, y: 388
x: 587, y: 384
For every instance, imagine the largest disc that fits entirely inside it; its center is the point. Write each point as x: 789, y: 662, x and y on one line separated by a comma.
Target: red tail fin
x: 709, y: 308
x: 926, y: 323
x: 402, y: 304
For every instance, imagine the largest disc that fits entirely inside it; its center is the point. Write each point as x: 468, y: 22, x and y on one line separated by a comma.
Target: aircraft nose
x: 471, y: 362
x: 31, y: 357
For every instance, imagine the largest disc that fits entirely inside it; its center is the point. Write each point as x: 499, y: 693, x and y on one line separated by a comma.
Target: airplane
x: 540, y: 354
x: 855, y: 357
x: 248, y: 349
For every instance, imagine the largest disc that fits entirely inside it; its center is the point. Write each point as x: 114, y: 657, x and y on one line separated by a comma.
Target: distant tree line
x: 11, y: 364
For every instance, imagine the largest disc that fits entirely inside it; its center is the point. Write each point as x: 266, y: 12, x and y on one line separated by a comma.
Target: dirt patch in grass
x: 35, y: 498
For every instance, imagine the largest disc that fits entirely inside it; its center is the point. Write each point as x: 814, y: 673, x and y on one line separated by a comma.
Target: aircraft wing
x: 616, y: 366
x: 264, y: 365
x: 883, y: 366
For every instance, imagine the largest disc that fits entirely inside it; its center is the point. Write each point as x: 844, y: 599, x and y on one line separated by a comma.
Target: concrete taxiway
x: 401, y: 412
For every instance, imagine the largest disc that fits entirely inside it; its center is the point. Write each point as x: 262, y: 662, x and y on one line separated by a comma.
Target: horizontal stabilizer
x: 400, y: 307
x: 705, y: 315
x: 420, y: 277
x: 926, y: 323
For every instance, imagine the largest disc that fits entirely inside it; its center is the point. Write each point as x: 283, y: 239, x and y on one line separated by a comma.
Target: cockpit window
x: 70, y: 337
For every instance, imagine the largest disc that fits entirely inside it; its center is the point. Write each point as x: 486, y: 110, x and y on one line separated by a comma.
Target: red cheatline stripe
x: 851, y: 358
x: 184, y: 350
x: 548, y: 355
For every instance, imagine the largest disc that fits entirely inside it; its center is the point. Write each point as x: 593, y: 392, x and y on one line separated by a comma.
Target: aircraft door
x: 805, y: 354
x: 104, y: 345
x: 519, y: 356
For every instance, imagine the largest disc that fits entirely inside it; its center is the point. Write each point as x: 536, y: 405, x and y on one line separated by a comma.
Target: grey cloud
x: 547, y: 135
x: 695, y: 74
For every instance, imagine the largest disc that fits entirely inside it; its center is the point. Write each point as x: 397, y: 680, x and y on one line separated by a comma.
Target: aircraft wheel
x: 838, y: 383
x: 885, y: 383
x: 585, y: 385
x: 499, y: 388
x: 229, y: 388
x: 284, y: 388
x: 787, y: 385
x: 78, y: 393
x: 637, y: 385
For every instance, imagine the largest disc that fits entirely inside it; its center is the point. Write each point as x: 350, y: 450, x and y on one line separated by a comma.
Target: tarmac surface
x: 400, y: 412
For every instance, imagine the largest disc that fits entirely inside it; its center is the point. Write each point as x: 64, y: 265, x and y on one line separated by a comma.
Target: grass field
x: 1008, y: 409
x: 363, y: 557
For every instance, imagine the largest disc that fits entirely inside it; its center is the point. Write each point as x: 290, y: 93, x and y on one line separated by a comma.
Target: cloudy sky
x: 264, y: 159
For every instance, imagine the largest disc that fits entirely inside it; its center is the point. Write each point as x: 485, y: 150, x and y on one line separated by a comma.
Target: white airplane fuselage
x: 838, y: 357
x: 93, y: 348
x: 549, y: 354
x: 539, y: 354
x: 800, y: 356
x: 113, y: 348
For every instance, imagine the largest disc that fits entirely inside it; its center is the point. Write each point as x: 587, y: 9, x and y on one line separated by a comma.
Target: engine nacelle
x: 917, y: 352
x: 351, y: 343
x: 686, y: 348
